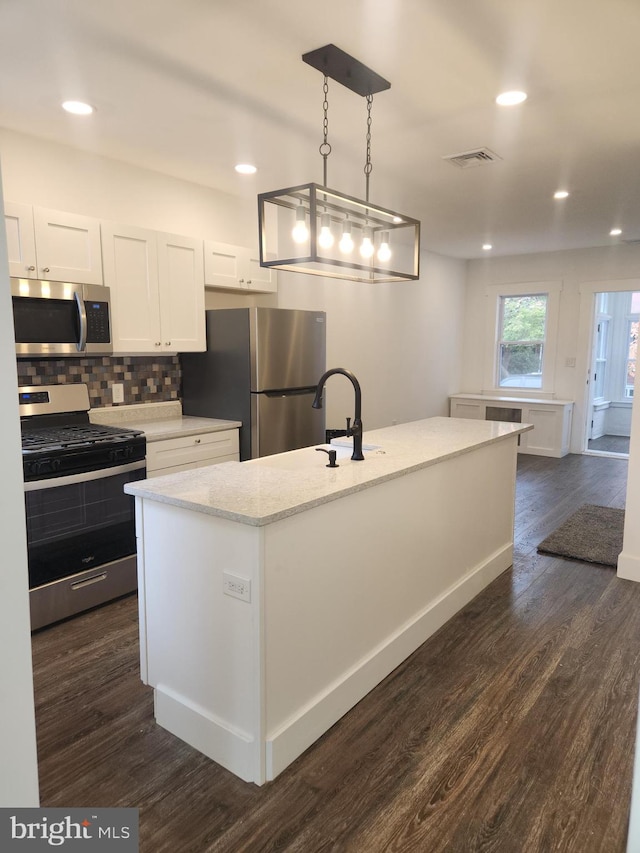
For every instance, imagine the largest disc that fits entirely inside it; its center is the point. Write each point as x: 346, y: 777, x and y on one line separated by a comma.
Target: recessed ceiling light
x: 78, y: 108
x: 561, y: 194
x: 510, y: 99
x: 246, y: 169
x: 615, y: 232
x: 487, y: 247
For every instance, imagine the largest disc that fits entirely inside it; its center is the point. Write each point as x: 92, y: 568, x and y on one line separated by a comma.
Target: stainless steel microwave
x: 58, y: 318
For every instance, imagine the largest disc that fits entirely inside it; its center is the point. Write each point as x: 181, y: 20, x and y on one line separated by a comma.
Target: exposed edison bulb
x: 366, y: 247
x: 325, y: 238
x: 300, y: 231
x: 346, y: 241
x: 384, y: 252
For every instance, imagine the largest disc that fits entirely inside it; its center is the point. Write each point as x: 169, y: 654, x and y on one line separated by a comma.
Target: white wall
x: 18, y: 763
x: 55, y: 176
x: 403, y: 341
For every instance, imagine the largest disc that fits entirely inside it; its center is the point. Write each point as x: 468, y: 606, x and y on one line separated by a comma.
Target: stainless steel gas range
x: 80, y: 524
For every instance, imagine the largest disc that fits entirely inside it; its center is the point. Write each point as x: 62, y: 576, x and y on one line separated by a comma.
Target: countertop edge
x: 139, y: 491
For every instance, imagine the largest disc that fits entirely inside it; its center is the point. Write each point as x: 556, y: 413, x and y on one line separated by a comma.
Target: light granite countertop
x: 261, y: 491
x: 159, y: 421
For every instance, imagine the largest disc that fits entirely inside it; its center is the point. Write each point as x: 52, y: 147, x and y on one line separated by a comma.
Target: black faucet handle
x: 349, y: 426
x: 332, y: 457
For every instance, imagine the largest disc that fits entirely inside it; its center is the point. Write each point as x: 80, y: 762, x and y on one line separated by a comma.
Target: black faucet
x: 356, y: 429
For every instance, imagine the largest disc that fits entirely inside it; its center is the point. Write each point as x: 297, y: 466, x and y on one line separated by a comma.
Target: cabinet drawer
x: 191, y: 451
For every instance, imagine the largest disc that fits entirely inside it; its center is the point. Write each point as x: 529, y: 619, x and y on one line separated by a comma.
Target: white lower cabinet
x: 170, y: 455
x: 236, y: 268
x: 551, y: 419
x: 157, y: 290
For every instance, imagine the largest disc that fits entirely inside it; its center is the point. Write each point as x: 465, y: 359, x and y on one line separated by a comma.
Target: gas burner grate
x: 61, y: 437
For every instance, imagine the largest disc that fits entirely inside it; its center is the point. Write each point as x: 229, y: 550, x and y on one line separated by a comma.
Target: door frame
x: 586, y: 328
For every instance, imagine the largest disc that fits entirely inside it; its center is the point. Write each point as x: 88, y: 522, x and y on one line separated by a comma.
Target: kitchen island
x: 275, y: 593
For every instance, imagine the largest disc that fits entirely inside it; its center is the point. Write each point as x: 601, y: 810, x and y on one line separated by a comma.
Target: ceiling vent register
x: 468, y: 159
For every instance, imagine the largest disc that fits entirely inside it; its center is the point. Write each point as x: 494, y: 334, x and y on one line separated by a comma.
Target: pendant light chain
x: 368, y: 166
x: 325, y: 147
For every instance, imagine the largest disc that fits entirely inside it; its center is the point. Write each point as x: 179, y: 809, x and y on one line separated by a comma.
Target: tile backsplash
x: 145, y: 379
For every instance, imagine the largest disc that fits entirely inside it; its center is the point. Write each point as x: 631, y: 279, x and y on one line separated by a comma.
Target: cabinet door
x: 225, y: 265
x: 21, y: 243
x: 260, y: 279
x: 467, y: 409
x: 545, y: 439
x: 131, y: 272
x: 67, y: 247
x: 181, y: 285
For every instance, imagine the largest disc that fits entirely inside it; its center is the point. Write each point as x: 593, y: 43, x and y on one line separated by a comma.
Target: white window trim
x: 630, y: 319
x: 494, y: 294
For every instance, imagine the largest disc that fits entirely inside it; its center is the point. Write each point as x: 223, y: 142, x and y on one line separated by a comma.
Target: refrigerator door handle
x: 287, y: 392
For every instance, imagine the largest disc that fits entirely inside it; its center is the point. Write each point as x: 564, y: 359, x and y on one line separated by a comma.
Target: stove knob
x: 55, y: 464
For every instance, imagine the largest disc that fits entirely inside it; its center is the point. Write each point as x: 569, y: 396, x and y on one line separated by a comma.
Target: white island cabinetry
x: 275, y: 593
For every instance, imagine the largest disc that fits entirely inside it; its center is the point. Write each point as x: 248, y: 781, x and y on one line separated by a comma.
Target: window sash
x: 526, y: 356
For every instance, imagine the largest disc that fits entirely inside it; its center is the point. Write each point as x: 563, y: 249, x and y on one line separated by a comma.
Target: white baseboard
x: 629, y: 567
x: 289, y: 741
x: 193, y: 724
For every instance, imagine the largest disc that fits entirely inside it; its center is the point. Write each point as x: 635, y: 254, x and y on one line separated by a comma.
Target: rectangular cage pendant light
x: 320, y: 231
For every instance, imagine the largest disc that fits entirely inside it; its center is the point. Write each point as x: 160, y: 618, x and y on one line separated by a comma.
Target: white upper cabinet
x: 52, y: 244
x: 130, y: 264
x: 236, y: 268
x: 181, y: 280
x: 21, y: 241
x: 157, y: 290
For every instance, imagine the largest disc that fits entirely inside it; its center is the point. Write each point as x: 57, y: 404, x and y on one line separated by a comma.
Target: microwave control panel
x: 98, y: 331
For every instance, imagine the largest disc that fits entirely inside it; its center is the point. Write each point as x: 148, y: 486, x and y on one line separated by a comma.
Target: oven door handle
x: 82, y: 316
x: 85, y: 477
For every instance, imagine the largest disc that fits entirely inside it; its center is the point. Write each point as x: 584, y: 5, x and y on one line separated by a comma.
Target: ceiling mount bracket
x: 344, y: 69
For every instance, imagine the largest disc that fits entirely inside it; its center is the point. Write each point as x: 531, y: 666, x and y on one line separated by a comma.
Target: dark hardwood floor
x: 610, y: 444
x: 512, y: 729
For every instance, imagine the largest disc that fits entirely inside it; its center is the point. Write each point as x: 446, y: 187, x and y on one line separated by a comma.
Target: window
x: 521, y: 340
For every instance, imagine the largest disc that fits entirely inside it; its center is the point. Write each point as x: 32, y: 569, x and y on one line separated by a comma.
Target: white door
x: 612, y: 373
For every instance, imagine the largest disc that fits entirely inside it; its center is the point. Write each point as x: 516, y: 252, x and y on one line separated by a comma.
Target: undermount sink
x: 348, y: 443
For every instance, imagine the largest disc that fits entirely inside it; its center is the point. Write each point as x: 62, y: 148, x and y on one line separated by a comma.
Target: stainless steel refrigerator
x: 261, y: 367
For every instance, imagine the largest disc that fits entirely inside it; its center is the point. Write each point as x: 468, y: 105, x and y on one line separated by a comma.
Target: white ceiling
x: 190, y: 88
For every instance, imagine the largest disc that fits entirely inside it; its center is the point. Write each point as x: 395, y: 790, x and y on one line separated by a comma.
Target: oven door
x: 81, y: 539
